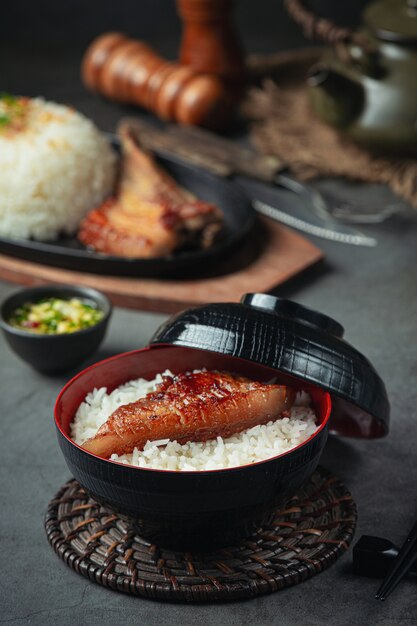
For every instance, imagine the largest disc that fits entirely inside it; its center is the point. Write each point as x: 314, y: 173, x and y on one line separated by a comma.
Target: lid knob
x: 293, y: 310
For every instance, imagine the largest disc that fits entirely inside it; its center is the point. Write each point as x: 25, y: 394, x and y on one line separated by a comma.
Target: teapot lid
x: 393, y: 20
x: 296, y: 341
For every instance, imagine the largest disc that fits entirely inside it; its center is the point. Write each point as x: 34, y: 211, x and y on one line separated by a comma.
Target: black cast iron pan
x: 239, y: 218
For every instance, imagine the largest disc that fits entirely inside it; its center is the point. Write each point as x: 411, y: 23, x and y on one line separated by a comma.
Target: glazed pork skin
x: 191, y: 407
x: 150, y: 216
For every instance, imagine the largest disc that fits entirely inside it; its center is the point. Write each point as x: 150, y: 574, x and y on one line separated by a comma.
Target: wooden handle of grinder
x: 127, y: 70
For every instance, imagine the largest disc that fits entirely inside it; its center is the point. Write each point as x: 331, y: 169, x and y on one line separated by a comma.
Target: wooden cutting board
x: 284, y: 254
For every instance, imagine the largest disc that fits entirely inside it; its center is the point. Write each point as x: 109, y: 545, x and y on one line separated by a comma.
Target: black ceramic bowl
x: 186, y: 509
x: 52, y: 354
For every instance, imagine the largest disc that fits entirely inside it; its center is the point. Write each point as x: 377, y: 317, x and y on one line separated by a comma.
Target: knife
x: 273, y: 192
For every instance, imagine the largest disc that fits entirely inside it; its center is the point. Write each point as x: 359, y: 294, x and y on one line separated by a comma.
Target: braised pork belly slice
x: 191, y: 407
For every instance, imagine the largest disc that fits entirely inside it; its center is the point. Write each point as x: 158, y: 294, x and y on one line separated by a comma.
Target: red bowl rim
x: 326, y: 396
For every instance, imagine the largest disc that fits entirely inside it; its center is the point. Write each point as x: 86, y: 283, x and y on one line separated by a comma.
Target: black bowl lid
x: 296, y: 341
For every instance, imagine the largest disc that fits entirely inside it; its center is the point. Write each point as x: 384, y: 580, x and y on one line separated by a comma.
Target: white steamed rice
x: 251, y: 445
x: 52, y: 172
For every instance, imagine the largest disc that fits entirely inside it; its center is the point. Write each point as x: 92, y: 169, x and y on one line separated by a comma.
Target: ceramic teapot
x: 366, y: 85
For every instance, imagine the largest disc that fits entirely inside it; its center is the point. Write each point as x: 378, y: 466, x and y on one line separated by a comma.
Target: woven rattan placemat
x: 306, y: 536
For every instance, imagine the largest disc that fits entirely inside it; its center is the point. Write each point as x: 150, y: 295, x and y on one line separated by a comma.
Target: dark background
x: 73, y: 23
x: 55, y: 30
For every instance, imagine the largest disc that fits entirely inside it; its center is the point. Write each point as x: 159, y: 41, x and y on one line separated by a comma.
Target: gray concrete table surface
x: 372, y: 292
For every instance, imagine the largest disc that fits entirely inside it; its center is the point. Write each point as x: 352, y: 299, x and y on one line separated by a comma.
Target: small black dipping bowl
x: 187, y: 509
x: 52, y: 354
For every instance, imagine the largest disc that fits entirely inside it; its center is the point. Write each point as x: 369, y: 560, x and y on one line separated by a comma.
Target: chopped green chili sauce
x: 12, y: 112
x: 53, y: 316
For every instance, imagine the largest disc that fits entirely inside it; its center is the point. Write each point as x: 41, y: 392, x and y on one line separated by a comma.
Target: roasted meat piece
x: 150, y: 215
x: 191, y: 407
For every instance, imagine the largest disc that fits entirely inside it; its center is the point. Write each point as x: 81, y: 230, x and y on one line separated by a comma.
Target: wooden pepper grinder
x: 128, y: 70
x: 209, y: 42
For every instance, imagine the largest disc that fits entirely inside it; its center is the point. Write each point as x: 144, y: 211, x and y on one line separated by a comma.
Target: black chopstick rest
x: 373, y: 557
